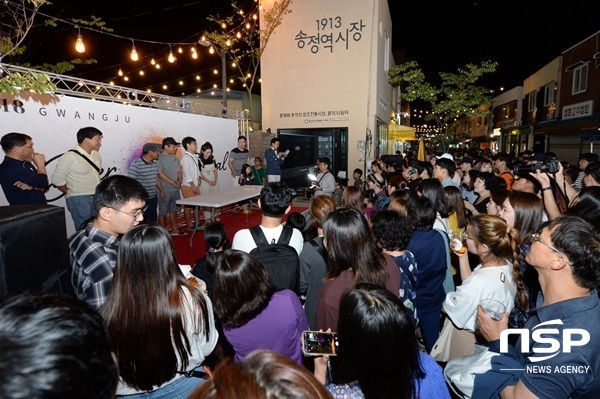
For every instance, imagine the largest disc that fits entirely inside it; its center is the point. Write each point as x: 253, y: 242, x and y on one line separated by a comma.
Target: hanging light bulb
x: 180, y: 50
x: 152, y: 61
x: 120, y: 72
x: 134, y: 54
x: 211, y: 50
x: 228, y: 43
x: 247, y: 25
x: 171, y: 58
x: 238, y: 35
x: 233, y: 64
x: 223, y: 25
x: 194, y: 53
x: 79, y: 46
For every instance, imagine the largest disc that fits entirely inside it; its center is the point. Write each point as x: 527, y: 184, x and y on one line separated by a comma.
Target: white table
x: 220, y: 199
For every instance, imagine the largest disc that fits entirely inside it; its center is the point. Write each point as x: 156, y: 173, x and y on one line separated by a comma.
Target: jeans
x: 81, y: 208
x: 178, y: 389
x: 151, y: 214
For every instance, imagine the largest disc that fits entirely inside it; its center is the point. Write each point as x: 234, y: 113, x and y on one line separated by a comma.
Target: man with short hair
x: 503, y: 167
x: 145, y: 170
x: 54, y: 346
x: 171, y: 175
x: 23, y: 174
x: 584, y: 160
x: 274, y: 160
x: 119, y: 204
x: 566, y: 256
x: 190, y: 185
x: 237, y: 158
x: 77, y: 174
x: 275, y: 200
x: 592, y: 174
x: 444, y: 171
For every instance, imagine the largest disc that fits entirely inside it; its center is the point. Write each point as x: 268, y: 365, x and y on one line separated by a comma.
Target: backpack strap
x: 319, y: 249
x: 410, y: 275
x: 258, y: 236
x: 286, y: 235
x: 88, y: 160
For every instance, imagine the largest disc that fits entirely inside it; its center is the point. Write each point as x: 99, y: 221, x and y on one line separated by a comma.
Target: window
x: 548, y: 94
x: 531, y: 97
x: 580, y: 78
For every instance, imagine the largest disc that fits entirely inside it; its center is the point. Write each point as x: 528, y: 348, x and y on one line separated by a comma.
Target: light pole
x: 208, y: 43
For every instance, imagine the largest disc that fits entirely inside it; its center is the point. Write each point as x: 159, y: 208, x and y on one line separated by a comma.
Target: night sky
x: 522, y: 36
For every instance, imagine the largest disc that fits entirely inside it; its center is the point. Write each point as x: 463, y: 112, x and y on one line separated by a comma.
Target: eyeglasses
x: 134, y: 215
x: 536, y: 237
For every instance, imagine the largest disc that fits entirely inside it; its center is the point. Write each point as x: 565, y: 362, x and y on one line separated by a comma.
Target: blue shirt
x: 13, y: 170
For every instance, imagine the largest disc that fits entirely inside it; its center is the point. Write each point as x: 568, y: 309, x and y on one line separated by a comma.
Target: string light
x: 134, y: 54
x: 120, y: 73
x: 171, y: 58
x: 180, y: 50
x: 79, y: 46
x: 194, y: 53
x: 211, y: 50
x: 152, y: 61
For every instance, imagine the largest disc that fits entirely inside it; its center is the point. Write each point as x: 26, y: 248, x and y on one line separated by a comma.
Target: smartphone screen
x: 318, y: 343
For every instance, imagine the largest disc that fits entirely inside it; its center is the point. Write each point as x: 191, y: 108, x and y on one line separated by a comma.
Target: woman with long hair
x: 524, y: 212
x: 160, y: 325
x: 313, y: 258
x: 497, y: 198
x: 215, y: 237
x: 378, y: 355
x: 352, y: 258
x: 588, y: 206
x: 209, y: 174
x: 433, y: 190
x: 431, y: 254
x: 497, y: 277
x: 252, y: 314
x: 354, y: 198
x: 457, y: 215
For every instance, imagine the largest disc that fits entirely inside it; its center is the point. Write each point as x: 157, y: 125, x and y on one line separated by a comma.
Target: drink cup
x: 458, y: 244
x: 493, y: 308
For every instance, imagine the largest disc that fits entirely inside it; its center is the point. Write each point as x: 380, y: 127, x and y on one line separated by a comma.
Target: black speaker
x: 34, y: 251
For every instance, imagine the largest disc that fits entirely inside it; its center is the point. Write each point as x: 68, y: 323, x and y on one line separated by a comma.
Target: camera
x: 550, y: 165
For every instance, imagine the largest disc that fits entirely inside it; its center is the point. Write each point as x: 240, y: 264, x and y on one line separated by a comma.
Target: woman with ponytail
x: 215, y: 237
x: 497, y: 277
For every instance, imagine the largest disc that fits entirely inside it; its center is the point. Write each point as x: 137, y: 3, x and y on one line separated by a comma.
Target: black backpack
x: 280, y: 258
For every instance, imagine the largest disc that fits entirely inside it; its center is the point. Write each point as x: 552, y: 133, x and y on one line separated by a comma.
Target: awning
x: 400, y: 132
x: 569, y: 126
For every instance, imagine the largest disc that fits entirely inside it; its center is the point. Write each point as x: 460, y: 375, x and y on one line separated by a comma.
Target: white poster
x: 53, y: 122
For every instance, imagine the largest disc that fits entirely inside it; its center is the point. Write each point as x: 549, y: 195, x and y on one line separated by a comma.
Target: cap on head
x: 537, y: 156
x: 152, y: 147
x: 169, y: 141
x: 445, y: 155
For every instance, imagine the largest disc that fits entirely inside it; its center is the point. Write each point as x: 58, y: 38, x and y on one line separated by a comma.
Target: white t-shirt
x: 243, y: 240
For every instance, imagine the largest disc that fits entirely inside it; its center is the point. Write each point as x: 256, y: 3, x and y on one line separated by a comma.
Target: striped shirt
x: 146, y: 173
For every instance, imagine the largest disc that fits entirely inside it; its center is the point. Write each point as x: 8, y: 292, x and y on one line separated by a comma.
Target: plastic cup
x: 493, y: 308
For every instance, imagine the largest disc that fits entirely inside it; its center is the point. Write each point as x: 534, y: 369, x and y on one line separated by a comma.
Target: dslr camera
x: 550, y: 165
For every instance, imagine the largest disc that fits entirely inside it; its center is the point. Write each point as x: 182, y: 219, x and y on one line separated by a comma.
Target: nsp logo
x: 571, y: 337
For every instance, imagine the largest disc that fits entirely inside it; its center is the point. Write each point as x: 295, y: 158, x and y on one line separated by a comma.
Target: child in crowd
x: 357, y: 175
x: 246, y: 176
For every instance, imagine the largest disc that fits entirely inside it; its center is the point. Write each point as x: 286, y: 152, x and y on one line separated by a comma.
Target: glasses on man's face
x: 134, y: 215
x: 536, y: 237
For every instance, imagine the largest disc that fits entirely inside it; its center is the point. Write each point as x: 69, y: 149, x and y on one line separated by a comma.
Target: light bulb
x: 215, y: 72
x: 228, y: 43
x: 238, y: 35
x: 230, y: 80
x: 181, y: 83
x: 120, y: 72
x: 248, y: 25
x: 79, y: 46
x: 171, y: 57
x: 141, y: 73
x: 211, y: 50
x: 134, y: 54
x: 180, y: 50
x: 197, y: 77
x: 152, y: 61
x: 194, y: 55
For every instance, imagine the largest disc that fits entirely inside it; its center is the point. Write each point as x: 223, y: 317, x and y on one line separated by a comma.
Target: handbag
x: 452, y: 342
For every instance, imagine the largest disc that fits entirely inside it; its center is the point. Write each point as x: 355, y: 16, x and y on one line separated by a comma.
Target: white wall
x: 53, y: 122
x: 344, y: 85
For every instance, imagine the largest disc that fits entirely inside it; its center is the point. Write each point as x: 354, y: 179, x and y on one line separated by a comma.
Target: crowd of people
x: 383, y: 265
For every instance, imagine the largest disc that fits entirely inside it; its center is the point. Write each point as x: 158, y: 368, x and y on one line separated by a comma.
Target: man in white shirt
x: 77, y: 174
x: 190, y: 185
x: 275, y: 200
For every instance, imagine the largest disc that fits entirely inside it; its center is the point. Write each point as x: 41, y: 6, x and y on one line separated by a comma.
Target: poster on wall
x: 53, y: 122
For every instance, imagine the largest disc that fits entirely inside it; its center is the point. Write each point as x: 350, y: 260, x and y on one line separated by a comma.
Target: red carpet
x: 187, y: 255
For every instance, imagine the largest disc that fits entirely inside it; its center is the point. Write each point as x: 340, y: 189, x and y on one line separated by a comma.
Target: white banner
x: 53, y: 122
